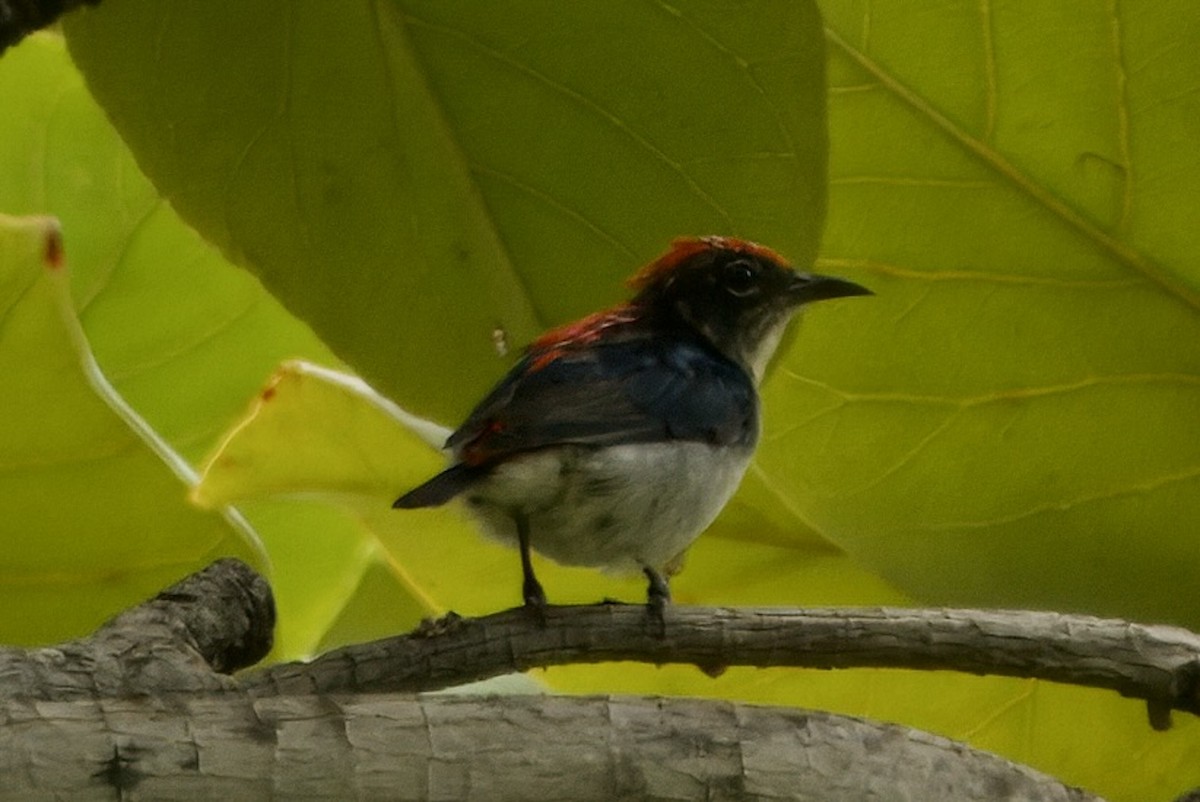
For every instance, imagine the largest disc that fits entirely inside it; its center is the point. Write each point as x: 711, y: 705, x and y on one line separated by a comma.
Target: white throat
x: 751, y: 349
x: 758, y: 357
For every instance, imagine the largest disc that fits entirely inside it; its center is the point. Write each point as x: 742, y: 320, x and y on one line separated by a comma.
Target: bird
x: 616, y: 440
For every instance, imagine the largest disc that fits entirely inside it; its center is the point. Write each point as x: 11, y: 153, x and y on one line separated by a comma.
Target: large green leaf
x: 1015, y: 422
x: 182, y: 335
x: 410, y: 177
x: 92, y: 501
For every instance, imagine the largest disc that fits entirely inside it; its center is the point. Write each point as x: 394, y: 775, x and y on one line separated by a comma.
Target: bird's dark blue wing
x: 630, y: 391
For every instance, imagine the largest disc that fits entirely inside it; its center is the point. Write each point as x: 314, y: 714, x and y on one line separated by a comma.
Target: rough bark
x: 185, y: 639
x: 1156, y: 663
x: 144, y: 708
x: 497, y: 748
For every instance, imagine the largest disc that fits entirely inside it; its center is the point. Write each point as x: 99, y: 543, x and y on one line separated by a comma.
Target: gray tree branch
x: 1158, y: 664
x: 145, y: 707
x: 233, y: 746
x: 184, y: 640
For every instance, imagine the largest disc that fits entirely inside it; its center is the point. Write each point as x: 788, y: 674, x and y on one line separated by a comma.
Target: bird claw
x: 656, y: 616
x: 537, y: 609
x: 535, y: 599
x: 657, y: 596
x: 532, y: 592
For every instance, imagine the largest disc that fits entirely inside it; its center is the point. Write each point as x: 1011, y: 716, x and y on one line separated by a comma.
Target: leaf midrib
x: 1121, y: 252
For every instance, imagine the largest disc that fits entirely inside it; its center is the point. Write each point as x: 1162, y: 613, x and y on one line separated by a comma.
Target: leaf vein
x: 912, y: 181
x: 1119, y: 251
x: 110, y: 268
x: 741, y: 63
x: 556, y: 204
x: 1122, y: 110
x: 1000, y: 396
x: 896, y: 271
x: 1137, y: 488
x: 404, y: 19
x: 989, y: 70
x: 585, y: 102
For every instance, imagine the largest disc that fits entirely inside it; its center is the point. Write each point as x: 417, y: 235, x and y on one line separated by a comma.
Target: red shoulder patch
x: 585, y: 331
x: 685, y: 248
x: 475, y: 451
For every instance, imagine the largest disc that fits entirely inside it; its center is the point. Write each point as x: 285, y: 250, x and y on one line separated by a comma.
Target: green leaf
x: 1014, y: 421
x: 319, y: 555
x: 184, y: 336
x: 92, y: 498
x: 411, y: 177
x: 314, y: 430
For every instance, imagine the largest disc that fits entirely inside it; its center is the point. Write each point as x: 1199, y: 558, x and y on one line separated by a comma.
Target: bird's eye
x: 740, y: 278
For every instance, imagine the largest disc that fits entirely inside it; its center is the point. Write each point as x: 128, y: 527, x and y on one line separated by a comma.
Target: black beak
x: 808, y: 287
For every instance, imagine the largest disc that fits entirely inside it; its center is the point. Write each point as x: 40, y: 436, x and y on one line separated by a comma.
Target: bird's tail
x: 441, y: 488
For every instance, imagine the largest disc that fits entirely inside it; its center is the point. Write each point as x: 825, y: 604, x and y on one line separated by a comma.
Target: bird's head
x: 738, y: 294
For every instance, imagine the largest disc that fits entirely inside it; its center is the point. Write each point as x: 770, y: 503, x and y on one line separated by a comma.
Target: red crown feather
x: 553, y: 343
x: 684, y: 248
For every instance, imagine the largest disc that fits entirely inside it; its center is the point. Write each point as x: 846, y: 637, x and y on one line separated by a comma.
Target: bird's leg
x: 657, y: 596
x: 531, y: 589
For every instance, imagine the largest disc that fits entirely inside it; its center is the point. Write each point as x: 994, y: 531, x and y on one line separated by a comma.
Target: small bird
x: 616, y: 439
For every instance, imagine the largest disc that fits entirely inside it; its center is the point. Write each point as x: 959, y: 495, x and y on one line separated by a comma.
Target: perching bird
x: 617, y: 439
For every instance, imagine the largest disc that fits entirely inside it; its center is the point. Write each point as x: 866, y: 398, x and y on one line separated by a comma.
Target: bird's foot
x: 658, y: 595
x: 531, y: 591
x: 535, y: 599
x: 432, y: 627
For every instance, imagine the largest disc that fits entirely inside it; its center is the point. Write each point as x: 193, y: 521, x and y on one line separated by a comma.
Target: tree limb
x: 233, y: 746
x: 221, y: 619
x: 142, y: 704
x: 184, y: 640
x: 1159, y: 664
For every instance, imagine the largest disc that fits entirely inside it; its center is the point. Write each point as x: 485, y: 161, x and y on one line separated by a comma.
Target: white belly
x: 619, y: 508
